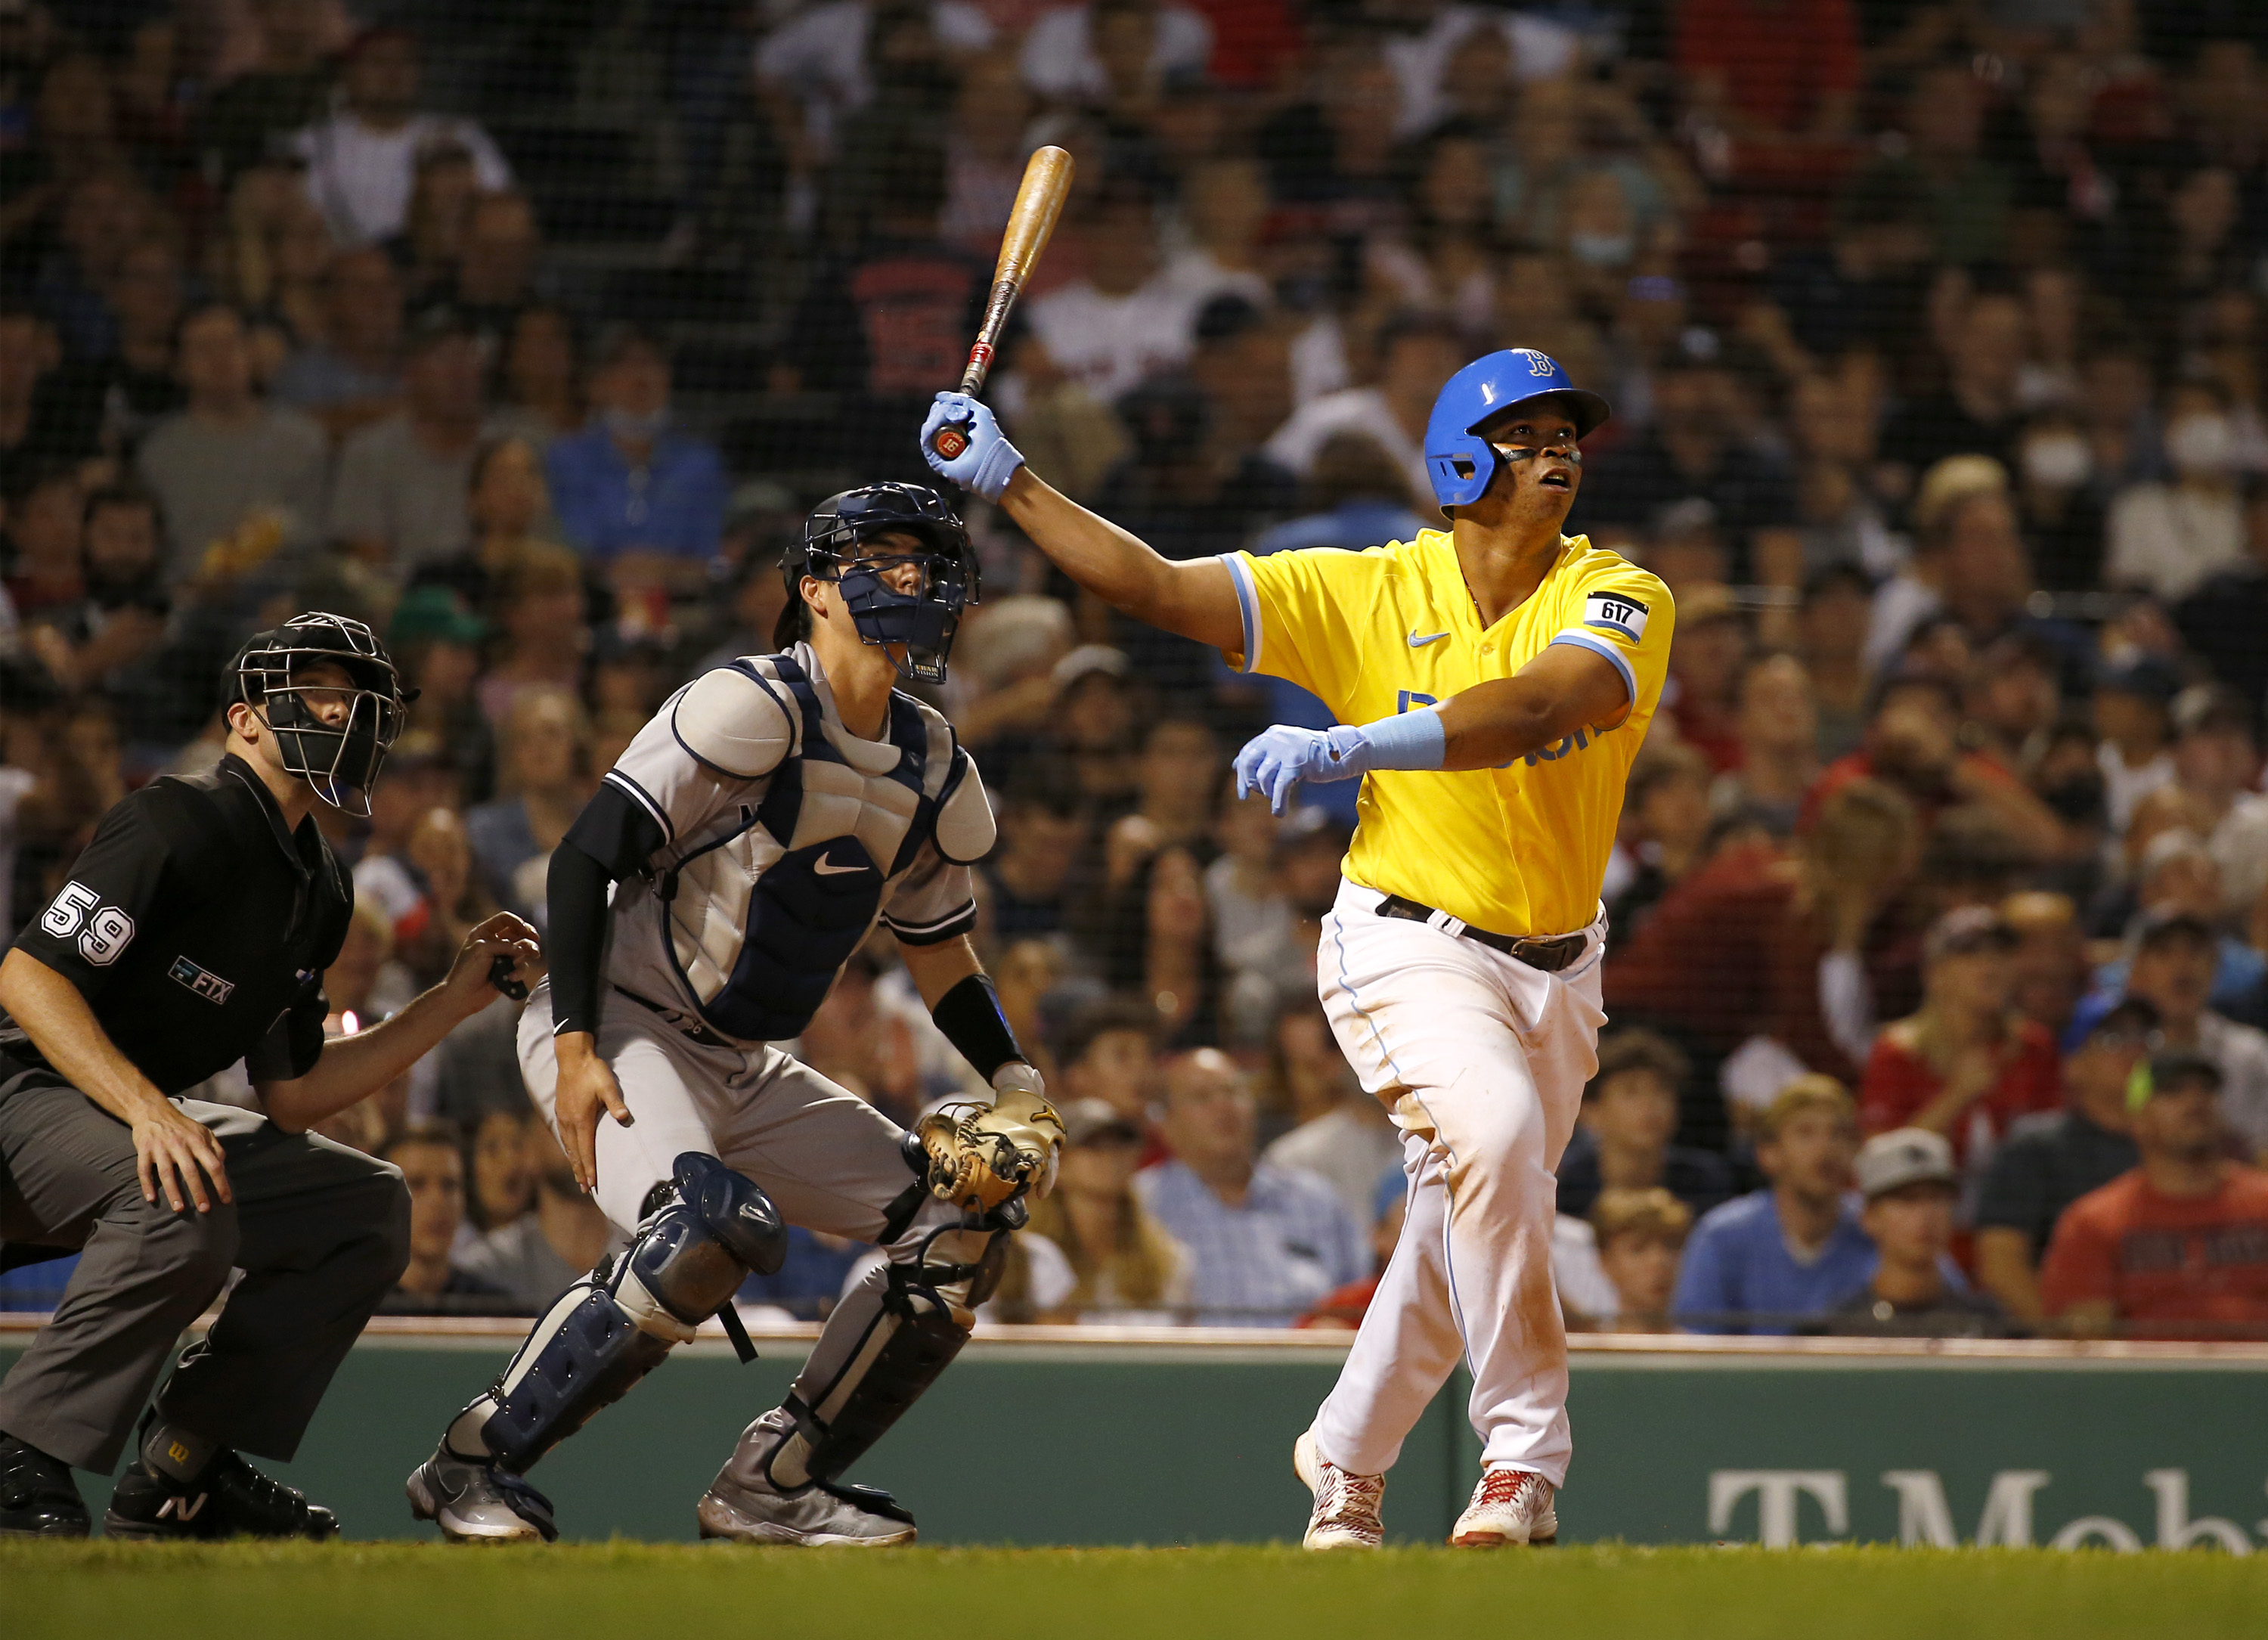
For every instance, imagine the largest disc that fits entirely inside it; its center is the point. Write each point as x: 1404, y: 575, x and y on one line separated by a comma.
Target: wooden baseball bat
x: 1039, y: 202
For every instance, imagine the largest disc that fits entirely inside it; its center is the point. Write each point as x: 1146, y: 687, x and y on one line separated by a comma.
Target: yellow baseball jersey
x: 1521, y: 849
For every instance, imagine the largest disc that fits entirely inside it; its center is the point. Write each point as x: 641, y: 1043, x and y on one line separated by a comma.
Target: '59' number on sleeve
x: 104, y: 931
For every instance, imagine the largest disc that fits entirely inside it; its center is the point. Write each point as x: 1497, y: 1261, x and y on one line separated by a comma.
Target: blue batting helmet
x: 1460, y: 462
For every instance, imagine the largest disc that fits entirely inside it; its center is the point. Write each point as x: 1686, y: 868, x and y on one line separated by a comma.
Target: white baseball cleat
x: 1346, y: 1513
x: 1509, y: 1506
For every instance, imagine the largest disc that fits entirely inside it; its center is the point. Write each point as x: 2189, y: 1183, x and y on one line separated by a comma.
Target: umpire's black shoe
x: 231, y: 1499
x: 38, y: 1498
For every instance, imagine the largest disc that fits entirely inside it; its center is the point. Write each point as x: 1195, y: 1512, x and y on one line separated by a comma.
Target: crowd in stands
x: 1937, y: 335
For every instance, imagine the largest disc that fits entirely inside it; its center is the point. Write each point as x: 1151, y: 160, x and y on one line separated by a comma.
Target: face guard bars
x: 341, y: 760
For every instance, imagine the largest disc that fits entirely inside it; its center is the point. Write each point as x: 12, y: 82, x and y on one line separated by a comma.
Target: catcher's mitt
x: 982, y: 1157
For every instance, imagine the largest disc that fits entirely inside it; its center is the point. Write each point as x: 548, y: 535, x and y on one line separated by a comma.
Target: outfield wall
x: 1078, y: 1436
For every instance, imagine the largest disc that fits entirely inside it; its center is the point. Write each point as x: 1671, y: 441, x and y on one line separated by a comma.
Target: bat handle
x: 952, y: 438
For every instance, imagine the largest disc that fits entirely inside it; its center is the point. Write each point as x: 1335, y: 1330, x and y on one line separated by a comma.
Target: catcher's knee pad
x: 613, y: 1328
x: 916, y: 1325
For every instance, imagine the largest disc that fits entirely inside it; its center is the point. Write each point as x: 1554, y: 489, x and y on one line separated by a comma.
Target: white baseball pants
x: 1483, y: 1060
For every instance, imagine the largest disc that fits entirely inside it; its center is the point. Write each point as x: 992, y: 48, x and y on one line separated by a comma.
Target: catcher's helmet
x: 925, y: 621
x: 341, y: 760
x: 1459, y: 461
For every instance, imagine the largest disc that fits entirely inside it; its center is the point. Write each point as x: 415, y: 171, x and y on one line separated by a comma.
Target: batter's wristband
x: 1409, y: 740
x: 969, y: 1015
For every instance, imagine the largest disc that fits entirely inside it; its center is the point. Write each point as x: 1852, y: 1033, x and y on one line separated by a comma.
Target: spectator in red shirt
x: 1705, y: 674
x: 1771, y: 72
x: 1775, y: 959
x: 1914, y: 743
x: 1967, y: 1064
x: 2178, y: 1248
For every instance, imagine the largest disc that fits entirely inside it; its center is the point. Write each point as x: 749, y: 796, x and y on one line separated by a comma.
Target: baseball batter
x: 756, y: 829
x: 1500, y: 677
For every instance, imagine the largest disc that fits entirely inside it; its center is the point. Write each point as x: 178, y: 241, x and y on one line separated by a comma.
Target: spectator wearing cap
x: 2050, y: 1159
x: 1695, y: 447
x: 1130, y: 1271
x: 1416, y: 354
x: 1767, y: 1261
x: 1966, y: 1064
x: 2133, y: 706
x: 1266, y: 1241
x: 1910, y: 1186
x: 2222, y: 620
x: 2216, y: 762
x: 631, y: 491
x: 400, y: 500
x: 1342, y: 1308
x: 229, y: 459
x: 1624, y: 1130
x: 436, y: 642
x: 2178, y: 1247
x: 2176, y: 955
x: 2167, y: 539
x: 1098, y: 702
x: 362, y: 161
x: 2177, y: 876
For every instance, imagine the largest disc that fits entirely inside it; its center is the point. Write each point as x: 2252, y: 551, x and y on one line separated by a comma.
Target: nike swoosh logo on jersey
x: 1415, y: 642
x: 827, y: 868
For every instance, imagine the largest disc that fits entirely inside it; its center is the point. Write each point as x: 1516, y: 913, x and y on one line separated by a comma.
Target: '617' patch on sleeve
x: 1617, y: 614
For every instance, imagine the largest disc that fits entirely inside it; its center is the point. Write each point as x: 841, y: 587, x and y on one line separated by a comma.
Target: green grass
x: 634, y: 1591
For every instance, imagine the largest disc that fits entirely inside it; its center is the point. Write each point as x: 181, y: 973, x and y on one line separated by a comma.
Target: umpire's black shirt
x: 198, y: 929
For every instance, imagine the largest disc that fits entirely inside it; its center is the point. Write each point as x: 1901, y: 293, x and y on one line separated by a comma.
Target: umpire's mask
x: 339, y: 760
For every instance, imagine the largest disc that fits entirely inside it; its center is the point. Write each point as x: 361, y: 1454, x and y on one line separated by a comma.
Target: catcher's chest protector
x: 759, y: 918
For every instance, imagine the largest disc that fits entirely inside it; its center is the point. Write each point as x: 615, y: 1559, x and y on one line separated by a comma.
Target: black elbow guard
x: 969, y: 1015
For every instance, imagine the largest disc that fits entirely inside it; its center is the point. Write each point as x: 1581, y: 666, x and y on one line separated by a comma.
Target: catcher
x: 752, y: 834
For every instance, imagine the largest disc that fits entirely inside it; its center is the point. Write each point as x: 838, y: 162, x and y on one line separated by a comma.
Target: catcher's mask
x: 340, y: 759
x: 924, y: 621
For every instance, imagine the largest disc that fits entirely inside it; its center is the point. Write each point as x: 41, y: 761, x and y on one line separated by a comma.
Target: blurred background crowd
x: 1936, y: 333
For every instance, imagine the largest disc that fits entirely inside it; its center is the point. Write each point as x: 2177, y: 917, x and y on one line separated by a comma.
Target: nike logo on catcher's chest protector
x: 827, y: 868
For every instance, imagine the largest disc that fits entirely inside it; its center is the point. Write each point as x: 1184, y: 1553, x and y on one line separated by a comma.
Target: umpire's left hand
x: 471, y: 984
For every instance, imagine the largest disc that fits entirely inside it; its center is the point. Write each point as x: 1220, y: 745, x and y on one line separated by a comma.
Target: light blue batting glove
x: 1275, y: 761
x: 988, y: 463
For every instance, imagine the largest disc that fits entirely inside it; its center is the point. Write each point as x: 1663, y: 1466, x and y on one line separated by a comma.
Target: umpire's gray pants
x: 321, y: 1233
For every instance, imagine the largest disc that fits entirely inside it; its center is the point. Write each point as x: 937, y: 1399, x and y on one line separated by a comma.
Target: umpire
x: 195, y: 931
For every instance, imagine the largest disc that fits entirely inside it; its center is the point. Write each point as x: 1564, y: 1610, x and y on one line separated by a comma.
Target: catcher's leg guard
x: 613, y: 1328
x: 885, y: 1344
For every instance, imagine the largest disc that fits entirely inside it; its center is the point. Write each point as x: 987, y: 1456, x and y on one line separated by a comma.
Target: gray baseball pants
x: 320, y: 1231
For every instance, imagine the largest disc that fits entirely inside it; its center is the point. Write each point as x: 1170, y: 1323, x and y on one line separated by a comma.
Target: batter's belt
x: 1550, y: 955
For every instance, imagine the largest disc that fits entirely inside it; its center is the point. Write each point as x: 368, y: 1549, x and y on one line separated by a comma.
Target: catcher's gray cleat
x: 746, y: 1504
x: 478, y: 1502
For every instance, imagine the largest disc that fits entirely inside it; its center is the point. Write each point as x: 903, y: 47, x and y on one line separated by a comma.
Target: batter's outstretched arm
x: 1563, y: 689
x: 1196, y: 600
